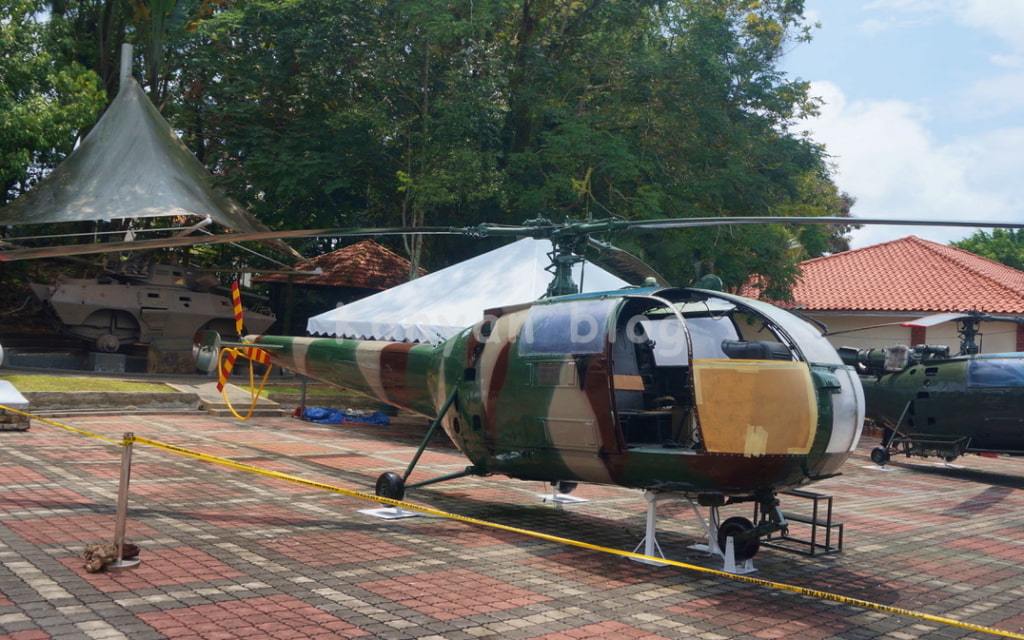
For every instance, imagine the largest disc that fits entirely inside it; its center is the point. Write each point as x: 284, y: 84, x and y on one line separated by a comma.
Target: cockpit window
x: 566, y: 327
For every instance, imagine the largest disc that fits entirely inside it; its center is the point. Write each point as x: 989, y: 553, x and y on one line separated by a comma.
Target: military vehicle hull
x: 115, y: 311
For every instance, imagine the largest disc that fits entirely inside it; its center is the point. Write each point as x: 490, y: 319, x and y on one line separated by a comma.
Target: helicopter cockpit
x: 685, y: 369
x: 665, y: 343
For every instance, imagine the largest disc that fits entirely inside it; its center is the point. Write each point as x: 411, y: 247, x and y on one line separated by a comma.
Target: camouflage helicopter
x: 687, y: 390
x: 691, y: 391
x: 931, y: 403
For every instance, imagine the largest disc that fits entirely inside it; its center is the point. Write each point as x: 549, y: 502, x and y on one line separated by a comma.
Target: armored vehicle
x: 135, y: 303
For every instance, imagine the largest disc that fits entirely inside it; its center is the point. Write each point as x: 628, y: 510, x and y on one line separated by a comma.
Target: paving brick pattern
x: 227, y: 554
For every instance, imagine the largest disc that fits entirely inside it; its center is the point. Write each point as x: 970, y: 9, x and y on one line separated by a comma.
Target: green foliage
x: 44, y: 102
x: 428, y: 112
x: 1005, y: 246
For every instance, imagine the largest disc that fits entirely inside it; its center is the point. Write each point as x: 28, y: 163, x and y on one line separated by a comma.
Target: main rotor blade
x: 935, y: 319
x: 622, y: 263
x: 679, y: 223
x: 59, y: 251
x: 534, y: 229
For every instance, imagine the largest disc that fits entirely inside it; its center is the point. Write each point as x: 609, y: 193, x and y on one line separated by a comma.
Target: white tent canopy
x: 435, y: 307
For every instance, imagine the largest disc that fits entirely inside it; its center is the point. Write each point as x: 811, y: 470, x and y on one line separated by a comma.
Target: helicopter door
x: 752, y: 397
x: 755, y: 407
x: 562, y: 349
x: 650, y: 354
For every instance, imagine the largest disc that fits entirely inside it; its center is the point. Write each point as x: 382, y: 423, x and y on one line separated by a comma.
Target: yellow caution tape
x: 60, y: 426
x: 815, y: 593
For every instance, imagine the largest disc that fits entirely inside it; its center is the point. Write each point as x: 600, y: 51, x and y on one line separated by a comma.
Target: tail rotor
x: 211, y: 353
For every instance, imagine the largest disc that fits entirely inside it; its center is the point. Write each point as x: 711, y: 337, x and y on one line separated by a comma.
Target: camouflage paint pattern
x: 530, y: 407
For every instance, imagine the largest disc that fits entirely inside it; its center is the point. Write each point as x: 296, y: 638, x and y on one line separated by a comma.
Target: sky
x: 923, y: 114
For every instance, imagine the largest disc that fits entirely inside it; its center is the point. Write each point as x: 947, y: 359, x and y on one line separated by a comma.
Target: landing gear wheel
x: 390, y: 485
x: 743, y: 548
x: 879, y: 455
x: 564, y: 487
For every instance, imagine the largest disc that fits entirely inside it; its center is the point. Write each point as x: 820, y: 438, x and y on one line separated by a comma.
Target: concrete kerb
x: 57, y: 401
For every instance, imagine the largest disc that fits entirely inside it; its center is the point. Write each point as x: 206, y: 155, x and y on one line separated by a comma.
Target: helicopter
x: 682, y: 390
x: 932, y: 403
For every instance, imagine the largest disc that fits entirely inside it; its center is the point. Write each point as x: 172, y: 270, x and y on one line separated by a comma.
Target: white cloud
x: 1002, y: 18
x: 993, y: 96
x: 888, y: 160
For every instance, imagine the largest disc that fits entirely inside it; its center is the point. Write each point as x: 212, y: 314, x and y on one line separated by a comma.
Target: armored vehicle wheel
x: 745, y: 548
x: 108, y: 343
x: 390, y: 485
x: 879, y: 455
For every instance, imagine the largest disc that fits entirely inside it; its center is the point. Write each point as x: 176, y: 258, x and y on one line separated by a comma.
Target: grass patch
x: 30, y: 383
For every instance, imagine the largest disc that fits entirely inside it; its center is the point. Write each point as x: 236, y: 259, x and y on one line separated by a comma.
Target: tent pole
x: 126, y: 63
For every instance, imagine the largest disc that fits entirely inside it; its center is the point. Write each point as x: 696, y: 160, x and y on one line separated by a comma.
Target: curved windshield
x: 814, y: 346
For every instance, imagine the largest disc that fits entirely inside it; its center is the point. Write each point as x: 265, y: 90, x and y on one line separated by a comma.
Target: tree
x: 44, y: 101
x: 350, y: 113
x: 1002, y: 245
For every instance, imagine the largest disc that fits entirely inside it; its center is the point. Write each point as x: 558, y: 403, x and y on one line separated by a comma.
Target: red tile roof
x: 909, y: 274
x: 366, y: 265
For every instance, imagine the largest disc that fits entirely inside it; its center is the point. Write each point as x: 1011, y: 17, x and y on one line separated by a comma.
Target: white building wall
x: 997, y: 337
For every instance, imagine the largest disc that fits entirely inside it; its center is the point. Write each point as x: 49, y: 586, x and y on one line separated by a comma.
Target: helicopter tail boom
x: 395, y: 373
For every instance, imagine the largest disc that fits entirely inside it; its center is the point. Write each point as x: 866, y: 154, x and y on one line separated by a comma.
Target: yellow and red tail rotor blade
x: 257, y: 355
x: 236, y: 303
x: 227, y: 363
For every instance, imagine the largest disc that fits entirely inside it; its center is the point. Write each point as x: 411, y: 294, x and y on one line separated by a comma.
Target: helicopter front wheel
x: 744, y: 547
x: 390, y: 485
x: 880, y: 455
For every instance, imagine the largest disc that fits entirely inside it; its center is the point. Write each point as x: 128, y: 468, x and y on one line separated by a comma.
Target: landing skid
x: 652, y: 549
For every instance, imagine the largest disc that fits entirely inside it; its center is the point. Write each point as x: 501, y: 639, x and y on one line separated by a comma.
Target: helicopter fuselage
x: 952, y: 405
x: 685, y: 390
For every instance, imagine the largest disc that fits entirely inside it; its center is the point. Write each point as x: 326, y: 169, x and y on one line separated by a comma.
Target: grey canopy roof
x: 131, y: 165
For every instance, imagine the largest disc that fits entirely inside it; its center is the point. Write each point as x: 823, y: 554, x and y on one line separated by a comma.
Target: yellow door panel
x: 755, y: 407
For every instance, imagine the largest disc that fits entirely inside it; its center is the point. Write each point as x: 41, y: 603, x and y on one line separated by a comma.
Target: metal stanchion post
x: 122, y: 508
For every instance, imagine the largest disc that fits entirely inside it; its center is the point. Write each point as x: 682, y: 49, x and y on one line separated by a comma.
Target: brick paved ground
x: 227, y: 554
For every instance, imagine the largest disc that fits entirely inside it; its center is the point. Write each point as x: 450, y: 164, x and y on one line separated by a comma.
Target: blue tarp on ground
x: 324, y: 415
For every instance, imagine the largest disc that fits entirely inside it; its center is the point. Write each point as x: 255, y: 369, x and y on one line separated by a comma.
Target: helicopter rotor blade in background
x: 936, y: 319
x: 680, y: 223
